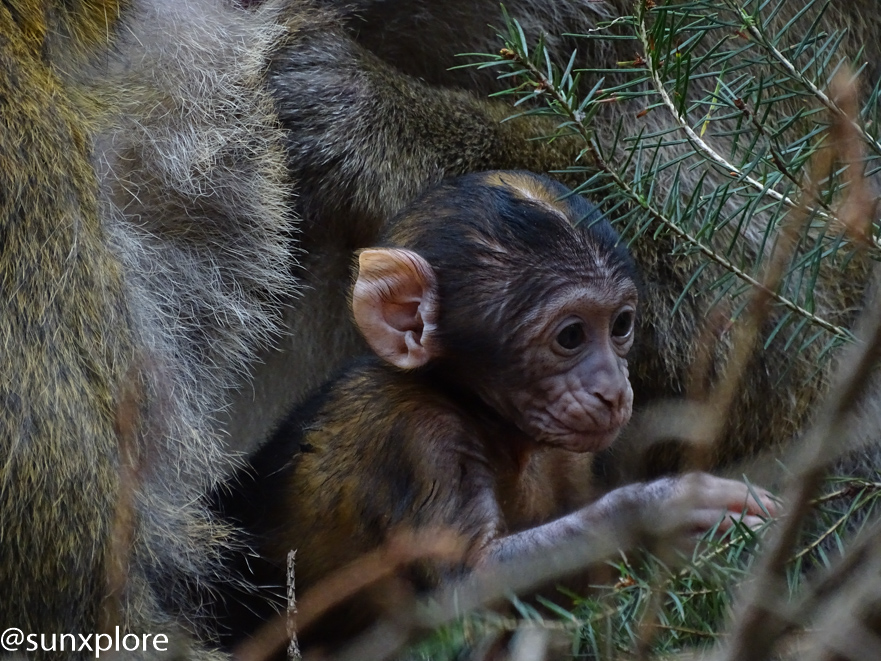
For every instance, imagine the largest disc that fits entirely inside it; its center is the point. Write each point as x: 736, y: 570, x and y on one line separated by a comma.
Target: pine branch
x: 783, y: 61
x: 575, y: 119
x: 696, y: 141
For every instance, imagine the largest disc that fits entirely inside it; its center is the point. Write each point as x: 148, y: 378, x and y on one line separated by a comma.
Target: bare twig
x: 759, y: 622
x: 293, y: 644
x: 127, y: 424
x: 401, y: 550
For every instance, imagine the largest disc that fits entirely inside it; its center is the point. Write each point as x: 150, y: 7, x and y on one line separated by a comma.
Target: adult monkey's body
x: 141, y: 228
x: 129, y: 296
x: 778, y: 398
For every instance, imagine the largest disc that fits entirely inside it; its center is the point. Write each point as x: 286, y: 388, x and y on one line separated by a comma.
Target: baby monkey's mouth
x: 586, y: 430
x: 577, y: 440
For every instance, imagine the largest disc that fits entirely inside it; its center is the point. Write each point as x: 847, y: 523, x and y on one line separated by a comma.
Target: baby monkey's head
x: 506, y: 285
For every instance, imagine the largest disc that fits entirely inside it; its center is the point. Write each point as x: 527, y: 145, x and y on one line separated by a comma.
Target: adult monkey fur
x: 142, y: 223
x: 145, y: 239
x: 499, y: 331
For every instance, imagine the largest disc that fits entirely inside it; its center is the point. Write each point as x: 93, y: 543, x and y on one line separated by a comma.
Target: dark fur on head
x: 509, y: 252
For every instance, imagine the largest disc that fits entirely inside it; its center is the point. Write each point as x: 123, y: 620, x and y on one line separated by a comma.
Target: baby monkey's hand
x: 690, y: 504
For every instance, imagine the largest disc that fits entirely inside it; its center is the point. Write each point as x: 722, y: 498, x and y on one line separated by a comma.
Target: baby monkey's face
x: 511, y: 288
x: 570, y: 387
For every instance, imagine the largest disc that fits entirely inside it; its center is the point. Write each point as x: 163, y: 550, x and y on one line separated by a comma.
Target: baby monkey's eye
x: 572, y: 336
x: 622, y: 327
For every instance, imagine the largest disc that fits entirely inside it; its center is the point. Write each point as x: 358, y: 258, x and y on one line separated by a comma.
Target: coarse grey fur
x: 193, y: 191
x: 150, y: 286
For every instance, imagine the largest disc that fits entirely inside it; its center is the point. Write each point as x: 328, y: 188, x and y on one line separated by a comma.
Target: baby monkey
x: 501, y: 312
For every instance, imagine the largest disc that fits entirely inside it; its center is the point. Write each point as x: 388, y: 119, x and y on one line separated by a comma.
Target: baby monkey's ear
x: 395, y: 306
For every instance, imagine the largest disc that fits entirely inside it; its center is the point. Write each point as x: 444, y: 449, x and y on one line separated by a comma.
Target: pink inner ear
x: 404, y: 316
x: 394, y: 293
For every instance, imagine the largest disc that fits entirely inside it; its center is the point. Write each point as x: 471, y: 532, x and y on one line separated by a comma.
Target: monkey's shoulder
x: 372, y: 406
